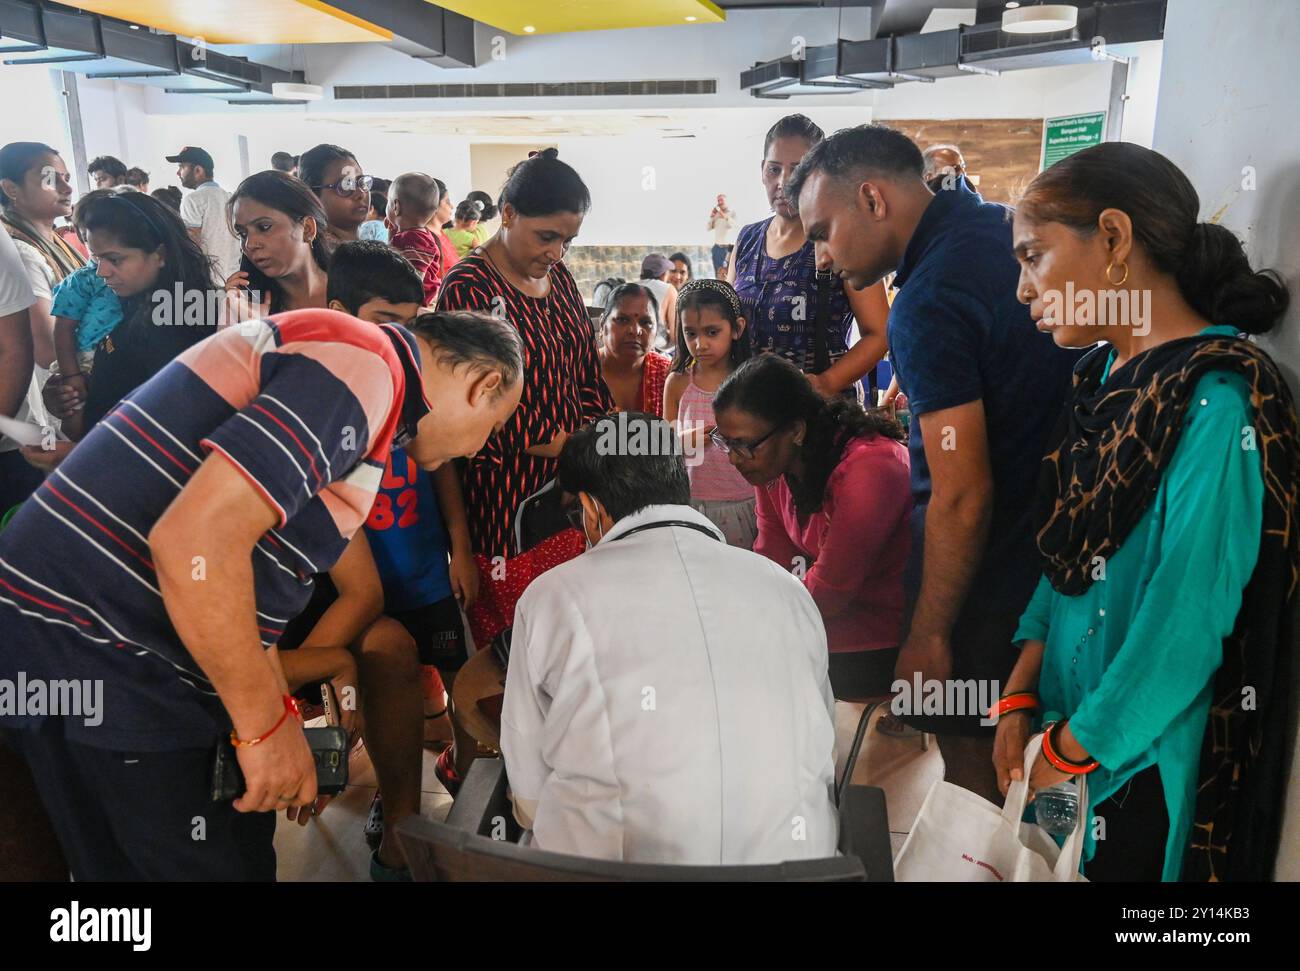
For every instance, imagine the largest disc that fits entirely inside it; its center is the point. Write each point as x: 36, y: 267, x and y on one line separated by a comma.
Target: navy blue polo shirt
x: 957, y: 334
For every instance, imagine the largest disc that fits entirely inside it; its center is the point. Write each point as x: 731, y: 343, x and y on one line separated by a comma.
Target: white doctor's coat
x: 667, y: 701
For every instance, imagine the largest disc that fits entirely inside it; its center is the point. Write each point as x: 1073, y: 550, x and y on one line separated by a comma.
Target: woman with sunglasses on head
x: 280, y: 225
x: 335, y: 175
x: 1158, y: 641
x: 834, y: 503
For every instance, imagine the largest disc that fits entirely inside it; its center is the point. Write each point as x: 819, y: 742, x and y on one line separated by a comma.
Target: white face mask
x: 585, y: 535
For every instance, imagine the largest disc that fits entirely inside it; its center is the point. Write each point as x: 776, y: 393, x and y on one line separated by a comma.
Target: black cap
x: 195, y: 156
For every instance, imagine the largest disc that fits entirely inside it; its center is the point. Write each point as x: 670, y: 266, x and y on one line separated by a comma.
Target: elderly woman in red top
x: 634, y: 374
x: 518, y: 275
x: 833, y: 506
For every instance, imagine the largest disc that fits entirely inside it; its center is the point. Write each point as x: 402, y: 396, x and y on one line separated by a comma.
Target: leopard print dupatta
x: 1110, y: 449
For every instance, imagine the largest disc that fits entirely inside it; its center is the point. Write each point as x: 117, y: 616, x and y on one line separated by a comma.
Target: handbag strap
x: 821, y: 353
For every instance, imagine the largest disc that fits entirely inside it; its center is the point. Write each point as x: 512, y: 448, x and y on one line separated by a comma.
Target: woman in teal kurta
x: 1170, y: 480
x: 1146, y: 638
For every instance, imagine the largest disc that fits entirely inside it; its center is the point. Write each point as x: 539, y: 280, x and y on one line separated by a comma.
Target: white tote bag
x: 959, y: 837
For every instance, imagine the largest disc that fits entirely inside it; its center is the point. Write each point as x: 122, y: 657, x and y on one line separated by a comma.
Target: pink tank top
x: 711, y: 473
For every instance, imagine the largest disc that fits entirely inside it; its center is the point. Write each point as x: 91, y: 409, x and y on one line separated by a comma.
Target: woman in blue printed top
x: 774, y: 271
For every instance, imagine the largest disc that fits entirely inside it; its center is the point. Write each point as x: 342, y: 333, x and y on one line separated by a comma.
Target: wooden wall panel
x: 1003, y: 152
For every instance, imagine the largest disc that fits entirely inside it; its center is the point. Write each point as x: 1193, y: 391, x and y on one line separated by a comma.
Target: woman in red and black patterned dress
x: 518, y: 274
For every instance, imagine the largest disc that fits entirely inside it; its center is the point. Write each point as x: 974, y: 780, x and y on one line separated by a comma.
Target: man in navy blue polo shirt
x: 985, y: 387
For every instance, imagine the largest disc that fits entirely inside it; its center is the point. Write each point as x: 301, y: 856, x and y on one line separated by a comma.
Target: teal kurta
x: 1131, y: 661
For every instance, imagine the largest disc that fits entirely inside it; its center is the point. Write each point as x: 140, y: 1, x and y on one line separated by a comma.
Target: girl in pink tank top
x: 711, y: 343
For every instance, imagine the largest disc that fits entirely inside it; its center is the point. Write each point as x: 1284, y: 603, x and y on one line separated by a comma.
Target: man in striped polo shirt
x: 166, y: 553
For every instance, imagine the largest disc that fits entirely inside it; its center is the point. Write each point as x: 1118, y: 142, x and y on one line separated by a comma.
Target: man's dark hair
x: 366, y: 269
x: 283, y: 162
x: 865, y: 150
x: 114, y: 168
x: 597, y: 460
x: 137, y: 177
x: 477, y: 340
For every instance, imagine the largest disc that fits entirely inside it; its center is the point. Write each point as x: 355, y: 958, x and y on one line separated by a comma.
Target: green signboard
x: 1062, y: 137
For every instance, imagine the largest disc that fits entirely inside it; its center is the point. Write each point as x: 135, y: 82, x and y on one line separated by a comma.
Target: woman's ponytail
x: 1216, y: 279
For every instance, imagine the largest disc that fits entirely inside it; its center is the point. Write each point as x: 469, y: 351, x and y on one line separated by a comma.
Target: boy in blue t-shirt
x: 417, y: 528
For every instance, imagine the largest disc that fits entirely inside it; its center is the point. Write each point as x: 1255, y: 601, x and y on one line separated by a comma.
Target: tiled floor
x: 331, y: 847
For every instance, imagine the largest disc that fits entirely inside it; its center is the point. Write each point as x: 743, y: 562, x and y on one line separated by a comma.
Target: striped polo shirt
x: 305, y: 405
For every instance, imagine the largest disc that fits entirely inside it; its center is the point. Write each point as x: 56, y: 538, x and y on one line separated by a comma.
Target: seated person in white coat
x: 667, y: 698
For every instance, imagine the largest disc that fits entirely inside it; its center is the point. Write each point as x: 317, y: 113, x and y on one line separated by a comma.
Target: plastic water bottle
x: 1057, y: 808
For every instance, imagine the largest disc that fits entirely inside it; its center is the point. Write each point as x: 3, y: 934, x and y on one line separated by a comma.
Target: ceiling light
x: 299, y: 92
x: 1043, y: 19
x: 529, y: 29
x: 692, y: 19
x: 1012, y: 5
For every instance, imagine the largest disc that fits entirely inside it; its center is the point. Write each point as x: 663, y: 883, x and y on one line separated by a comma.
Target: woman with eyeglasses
x: 335, y: 175
x: 834, y: 502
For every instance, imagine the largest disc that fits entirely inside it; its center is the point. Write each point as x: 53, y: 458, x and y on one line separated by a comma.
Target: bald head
x: 941, y: 160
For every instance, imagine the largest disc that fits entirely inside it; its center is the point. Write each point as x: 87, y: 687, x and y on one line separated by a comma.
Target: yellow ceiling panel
x: 243, y: 21
x: 563, y: 16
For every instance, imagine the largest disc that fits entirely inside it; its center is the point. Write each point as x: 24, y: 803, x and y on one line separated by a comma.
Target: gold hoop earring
x: 1120, y: 282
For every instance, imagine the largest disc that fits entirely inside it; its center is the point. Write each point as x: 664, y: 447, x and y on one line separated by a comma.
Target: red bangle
x: 1016, y: 701
x: 290, y: 708
x: 1059, y: 762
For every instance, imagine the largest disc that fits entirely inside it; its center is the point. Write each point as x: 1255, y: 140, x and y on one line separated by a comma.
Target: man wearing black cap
x: 204, y: 210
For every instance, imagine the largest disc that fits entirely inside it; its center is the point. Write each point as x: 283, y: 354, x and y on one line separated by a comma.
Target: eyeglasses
x: 573, y: 513
x: 745, y: 450
x: 349, y: 184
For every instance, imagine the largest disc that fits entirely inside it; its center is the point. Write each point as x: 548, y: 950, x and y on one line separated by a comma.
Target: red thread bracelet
x: 290, y: 708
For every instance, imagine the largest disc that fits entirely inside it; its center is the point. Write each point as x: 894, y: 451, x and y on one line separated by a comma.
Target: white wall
x: 40, y: 118
x: 1226, y: 104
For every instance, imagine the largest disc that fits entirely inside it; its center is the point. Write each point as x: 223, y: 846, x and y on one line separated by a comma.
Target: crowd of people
x: 313, y: 476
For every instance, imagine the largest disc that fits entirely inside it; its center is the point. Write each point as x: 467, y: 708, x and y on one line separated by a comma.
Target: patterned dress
x: 563, y: 390
x: 780, y: 300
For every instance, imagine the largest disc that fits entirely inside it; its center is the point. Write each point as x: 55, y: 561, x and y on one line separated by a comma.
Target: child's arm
x: 65, y: 345
x: 451, y: 503
x: 360, y: 601
x: 673, y: 388
x: 324, y: 652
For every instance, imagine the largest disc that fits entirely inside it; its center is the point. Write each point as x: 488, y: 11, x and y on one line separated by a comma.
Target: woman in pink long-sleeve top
x: 833, y: 504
